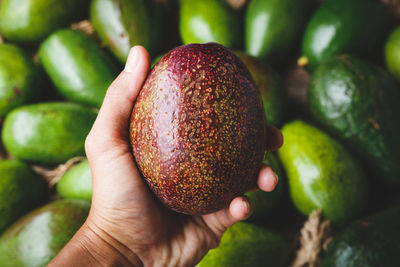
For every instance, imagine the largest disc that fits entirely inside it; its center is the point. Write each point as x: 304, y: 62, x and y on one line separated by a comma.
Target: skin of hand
x: 126, y: 225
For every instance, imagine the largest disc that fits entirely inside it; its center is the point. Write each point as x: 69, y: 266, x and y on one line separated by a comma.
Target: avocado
x: 271, y: 86
x: 370, y: 242
x: 322, y: 174
x: 78, y: 67
x: 21, y: 190
x: 264, y: 203
x: 47, y: 133
x: 274, y: 27
x: 19, y: 78
x: 76, y: 183
x: 198, y: 129
x: 122, y: 24
x: 246, y: 244
x: 209, y: 21
x: 358, y: 103
x: 392, y: 53
x: 30, y: 21
x: 38, y: 237
x: 343, y: 26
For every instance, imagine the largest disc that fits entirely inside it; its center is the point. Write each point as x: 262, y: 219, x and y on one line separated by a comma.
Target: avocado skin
x: 122, y: 24
x: 47, y: 133
x: 76, y: 183
x: 371, y: 242
x: 322, y: 174
x: 38, y: 237
x: 198, y: 131
x: 392, y: 53
x: 271, y: 86
x: 343, y: 26
x: 246, y: 244
x: 80, y: 70
x: 30, y: 21
x: 263, y: 203
x: 273, y: 28
x: 19, y: 78
x: 21, y: 190
x: 209, y: 21
x: 358, y: 103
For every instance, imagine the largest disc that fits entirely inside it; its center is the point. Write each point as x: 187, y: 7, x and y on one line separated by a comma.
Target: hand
x: 126, y: 225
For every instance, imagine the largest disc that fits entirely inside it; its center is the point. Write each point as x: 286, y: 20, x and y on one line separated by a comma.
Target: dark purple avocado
x: 198, y: 130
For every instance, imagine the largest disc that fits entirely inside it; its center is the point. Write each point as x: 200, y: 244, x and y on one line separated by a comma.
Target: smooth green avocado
x: 47, y: 133
x: 392, y: 53
x: 21, y: 190
x: 76, y: 183
x: 38, y: 237
x: 246, y: 244
x: 322, y: 174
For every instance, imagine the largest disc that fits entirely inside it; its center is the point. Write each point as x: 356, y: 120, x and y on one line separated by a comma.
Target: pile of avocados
x: 341, y: 151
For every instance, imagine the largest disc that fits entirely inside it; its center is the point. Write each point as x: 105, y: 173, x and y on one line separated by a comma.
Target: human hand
x: 126, y: 224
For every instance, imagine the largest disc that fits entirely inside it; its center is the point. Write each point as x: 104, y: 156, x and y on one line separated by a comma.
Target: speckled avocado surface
x: 198, y: 129
x: 19, y: 78
x: 21, y: 190
x: 272, y: 89
x: 30, y: 21
x: 322, y: 174
x: 248, y: 245
x: 47, y: 133
x: 38, y: 237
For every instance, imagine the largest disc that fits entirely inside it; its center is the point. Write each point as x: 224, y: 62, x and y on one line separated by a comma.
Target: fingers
x: 267, y: 179
x: 238, y: 210
x: 275, y: 139
x: 113, y: 118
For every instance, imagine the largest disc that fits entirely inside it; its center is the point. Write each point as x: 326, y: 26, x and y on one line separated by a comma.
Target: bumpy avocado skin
x: 246, y: 244
x: 343, y: 26
x: 30, y: 21
x: 198, y: 129
x: 358, y: 103
x: 263, y: 203
x: 20, y: 78
x: 209, y: 21
x: 322, y: 174
x: 273, y: 28
x: 371, y: 242
x: 78, y: 67
x: 38, y: 237
x: 21, y: 190
x: 76, y: 183
x: 47, y: 133
x: 272, y: 89
x: 122, y: 24
x: 392, y: 53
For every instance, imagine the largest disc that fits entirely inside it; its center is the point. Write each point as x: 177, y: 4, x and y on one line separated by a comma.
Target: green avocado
x: 122, y: 24
x: 76, y: 183
x: 265, y: 202
x: 274, y: 27
x: 19, y: 78
x: 21, y: 190
x: 246, y: 244
x: 392, y: 53
x: 358, y: 103
x: 30, y: 21
x: 78, y: 67
x: 322, y: 174
x: 209, y: 21
x: 47, y: 133
x: 271, y: 86
x: 343, y: 26
x: 371, y: 242
x: 38, y: 237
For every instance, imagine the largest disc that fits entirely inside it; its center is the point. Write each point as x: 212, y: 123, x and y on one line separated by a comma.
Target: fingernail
x: 131, y: 62
x: 247, y: 206
x: 276, y: 178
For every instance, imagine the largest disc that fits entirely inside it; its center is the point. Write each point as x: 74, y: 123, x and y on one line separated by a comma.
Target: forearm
x: 89, y: 248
